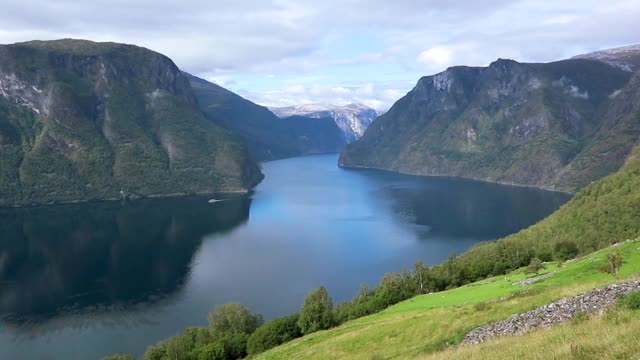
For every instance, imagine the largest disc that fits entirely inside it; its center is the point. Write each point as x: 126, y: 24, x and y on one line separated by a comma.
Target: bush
x: 565, y: 250
x: 235, y: 346
x: 273, y: 333
x: 317, y: 311
x: 631, y: 301
x: 233, y: 318
x: 120, y: 357
x: 614, y: 262
x: 213, y: 351
x: 535, y: 266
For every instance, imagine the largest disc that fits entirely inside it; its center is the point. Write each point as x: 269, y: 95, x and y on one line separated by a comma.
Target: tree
x: 535, y: 266
x: 233, y: 318
x: 273, y: 333
x: 565, y: 250
x: 317, y: 311
x: 614, y: 262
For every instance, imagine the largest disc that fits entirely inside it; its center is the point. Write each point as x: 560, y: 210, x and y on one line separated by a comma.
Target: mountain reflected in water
x: 63, y: 259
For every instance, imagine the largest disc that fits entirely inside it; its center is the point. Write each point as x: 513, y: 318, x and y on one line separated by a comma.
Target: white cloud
x: 437, y: 56
x: 266, y: 47
x: 377, y: 97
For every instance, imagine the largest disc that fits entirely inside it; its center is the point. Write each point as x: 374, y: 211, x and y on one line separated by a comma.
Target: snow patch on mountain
x: 626, y: 58
x: 352, y: 119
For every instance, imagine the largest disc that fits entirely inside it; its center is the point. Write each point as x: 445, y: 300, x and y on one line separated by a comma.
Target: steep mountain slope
x: 267, y: 136
x: 81, y: 120
x: 352, y: 119
x: 315, y: 135
x: 559, y: 125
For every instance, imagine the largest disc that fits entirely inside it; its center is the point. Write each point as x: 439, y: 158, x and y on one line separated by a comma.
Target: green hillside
x: 81, y: 120
x: 430, y: 325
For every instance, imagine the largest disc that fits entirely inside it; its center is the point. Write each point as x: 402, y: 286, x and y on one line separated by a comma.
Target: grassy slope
x: 425, y: 325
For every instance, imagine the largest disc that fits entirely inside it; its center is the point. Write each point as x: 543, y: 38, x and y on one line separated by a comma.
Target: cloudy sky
x: 288, y: 52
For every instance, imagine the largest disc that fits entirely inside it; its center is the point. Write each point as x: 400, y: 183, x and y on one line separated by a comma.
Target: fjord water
x: 86, y: 280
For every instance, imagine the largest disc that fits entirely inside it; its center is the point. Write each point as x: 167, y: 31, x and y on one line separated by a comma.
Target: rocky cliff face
x: 352, y: 119
x: 81, y: 120
x: 267, y: 136
x: 559, y: 125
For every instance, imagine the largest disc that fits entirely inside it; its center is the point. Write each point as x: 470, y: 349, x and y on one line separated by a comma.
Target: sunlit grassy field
x: 430, y: 326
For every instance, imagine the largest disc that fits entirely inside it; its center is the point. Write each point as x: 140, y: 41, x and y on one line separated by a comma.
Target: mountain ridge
x: 555, y: 126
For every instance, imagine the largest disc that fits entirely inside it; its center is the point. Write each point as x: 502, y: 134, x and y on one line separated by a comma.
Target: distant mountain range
x: 352, y: 119
x: 558, y: 125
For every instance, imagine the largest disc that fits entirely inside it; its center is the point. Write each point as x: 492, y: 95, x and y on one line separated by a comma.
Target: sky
x: 285, y: 52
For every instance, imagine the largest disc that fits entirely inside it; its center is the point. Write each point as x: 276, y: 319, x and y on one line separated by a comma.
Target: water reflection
x: 87, y: 257
x: 458, y: 208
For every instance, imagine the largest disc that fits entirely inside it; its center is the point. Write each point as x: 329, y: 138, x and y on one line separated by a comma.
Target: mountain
x: 81, y: 120
x: 315, y: 135
x: 558, y: 125
x: 353, y: 119
x: 266, y: 135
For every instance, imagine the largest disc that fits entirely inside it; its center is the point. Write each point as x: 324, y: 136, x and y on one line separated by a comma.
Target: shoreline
x: 133, y: 198
x: 504, y: 183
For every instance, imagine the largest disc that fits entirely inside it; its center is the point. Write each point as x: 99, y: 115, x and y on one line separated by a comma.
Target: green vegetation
x: 535, y: 266
x: 109, y: 127
x: 226, y: 338
x: 631, y: 301
x: 273, y: 333
x: 317, y: 312
x: 614, y: 261
x: 430, y: 325
x: 233, y: 319
x: 511, y: 122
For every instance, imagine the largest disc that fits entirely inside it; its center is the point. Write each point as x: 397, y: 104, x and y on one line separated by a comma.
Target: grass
x: 613, y: 335
x: 429, y: 325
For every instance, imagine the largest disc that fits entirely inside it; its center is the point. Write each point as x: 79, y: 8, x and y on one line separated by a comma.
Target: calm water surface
x: 84, y: 281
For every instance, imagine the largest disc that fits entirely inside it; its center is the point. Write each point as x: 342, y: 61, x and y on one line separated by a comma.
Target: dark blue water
x: 87, y: 280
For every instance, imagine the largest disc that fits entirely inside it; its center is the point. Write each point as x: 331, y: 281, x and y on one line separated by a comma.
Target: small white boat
x: 211, y: 201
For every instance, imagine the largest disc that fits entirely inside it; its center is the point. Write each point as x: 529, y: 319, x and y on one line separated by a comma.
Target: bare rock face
x: 558, y: 312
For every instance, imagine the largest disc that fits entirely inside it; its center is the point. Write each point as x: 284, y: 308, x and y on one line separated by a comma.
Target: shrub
x: 213, y: 351
x: 481, y: 306
x: 535, y: 266
x: 565, y: 250
x: 273, y: 333
x: 120, y: 357
x: 614, y: 262
x: 631, y: 301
